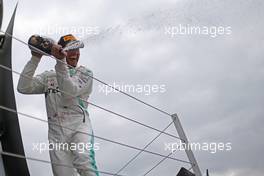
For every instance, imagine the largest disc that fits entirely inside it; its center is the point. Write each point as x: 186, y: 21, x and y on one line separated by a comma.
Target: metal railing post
x: 184, y: 139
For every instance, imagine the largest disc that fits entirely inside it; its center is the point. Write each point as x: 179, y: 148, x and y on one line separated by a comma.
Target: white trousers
x: 72, y: 151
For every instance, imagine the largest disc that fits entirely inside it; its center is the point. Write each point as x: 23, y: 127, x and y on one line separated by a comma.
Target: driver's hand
x: 37, y: 54
x: 57, y: 52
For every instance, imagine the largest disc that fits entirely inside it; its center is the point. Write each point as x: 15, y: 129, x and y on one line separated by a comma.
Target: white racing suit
x: 64, y: 90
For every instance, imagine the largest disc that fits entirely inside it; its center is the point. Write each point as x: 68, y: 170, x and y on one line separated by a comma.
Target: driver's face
x: 73, y: 57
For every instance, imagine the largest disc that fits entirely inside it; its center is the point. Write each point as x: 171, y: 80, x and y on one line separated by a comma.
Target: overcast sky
x: 215, y: 84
